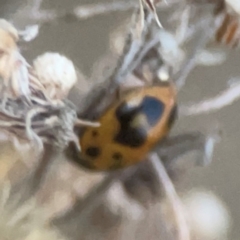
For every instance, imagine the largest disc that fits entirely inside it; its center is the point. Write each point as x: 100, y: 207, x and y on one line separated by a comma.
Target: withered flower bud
x: 13, y: 67
x: 9, y: 29
x: 56, y: 73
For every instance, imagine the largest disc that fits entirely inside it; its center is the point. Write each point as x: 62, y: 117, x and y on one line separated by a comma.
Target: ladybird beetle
x: 129, y: 129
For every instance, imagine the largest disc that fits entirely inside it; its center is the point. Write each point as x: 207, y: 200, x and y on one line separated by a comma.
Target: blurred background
x: 86, y: 42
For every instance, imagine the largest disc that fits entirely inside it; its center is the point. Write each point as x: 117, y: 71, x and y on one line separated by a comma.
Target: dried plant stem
x: 68, y: 223
x: 213, y: 104
x: 172, y: 197
x: 29, y: 131
x: 176, y: 146
x: 82, y: 12
x: 92, y: 10
x: 32, y: 182
x: 182, y: 75
x: 134, y: 51
x: 80, y: 122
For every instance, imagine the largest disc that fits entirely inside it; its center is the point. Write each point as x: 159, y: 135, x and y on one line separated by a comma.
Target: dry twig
x: 213, y: 104
x: 183, y: 232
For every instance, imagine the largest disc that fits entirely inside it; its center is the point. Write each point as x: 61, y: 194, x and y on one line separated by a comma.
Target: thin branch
x: 82, y: 12
x: 181, y: 76
x: 80, y: 122
x: 92, y: 10
x: 171, y: 195
x: 34, y: 12
x: 225, y: 98
x: 29, y: 131
x: 32, y: 182
x: 175, y: 147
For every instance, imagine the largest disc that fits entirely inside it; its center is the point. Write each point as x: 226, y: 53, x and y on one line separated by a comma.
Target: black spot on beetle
x: 94, y: 133
x: 151, y: 107
x: 75, y: 156
x: 117, y: 162
x: 132, y: 137
x: 117, y: 156
x: 93, y: 152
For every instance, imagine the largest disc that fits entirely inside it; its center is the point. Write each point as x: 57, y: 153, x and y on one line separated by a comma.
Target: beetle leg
x: 177, y: 146
x: 141, y: 182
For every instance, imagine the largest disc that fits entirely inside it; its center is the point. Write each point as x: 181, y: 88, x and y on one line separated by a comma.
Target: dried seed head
x: 13, y: 67
x: 9, y: 28
x: 7, y: 47
x: 56, y: 73
x: 170, y: 50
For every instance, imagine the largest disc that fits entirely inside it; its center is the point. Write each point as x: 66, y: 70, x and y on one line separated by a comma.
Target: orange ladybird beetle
x: 129, y: 128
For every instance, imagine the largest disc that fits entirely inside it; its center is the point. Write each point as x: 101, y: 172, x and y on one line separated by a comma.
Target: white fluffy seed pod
x: 208, y: 216
x: 56, y: 74
x: 171, y: 51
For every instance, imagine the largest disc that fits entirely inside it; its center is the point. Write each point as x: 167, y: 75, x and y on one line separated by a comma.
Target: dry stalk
x: 183, y: 232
